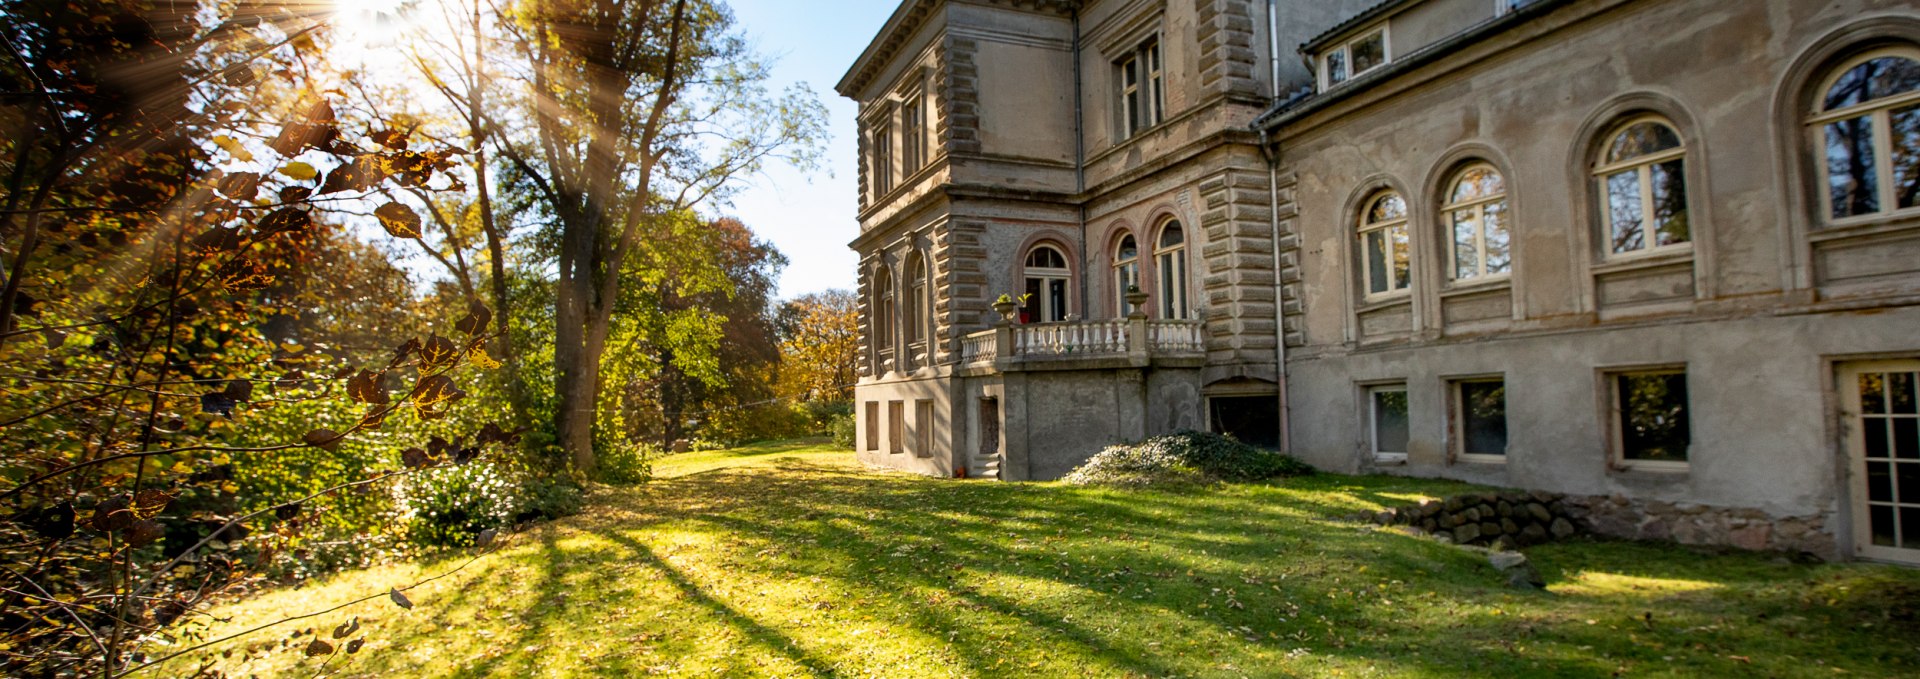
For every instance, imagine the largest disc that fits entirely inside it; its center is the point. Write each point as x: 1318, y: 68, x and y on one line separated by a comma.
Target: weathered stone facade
x: 1695, y: 361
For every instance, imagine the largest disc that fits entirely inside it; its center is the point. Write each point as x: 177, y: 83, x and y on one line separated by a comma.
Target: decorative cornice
x: 907, y: 19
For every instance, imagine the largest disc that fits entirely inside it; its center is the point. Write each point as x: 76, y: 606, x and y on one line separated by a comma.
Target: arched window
x: 880, y: 328
x: 1047, y: 280
x: 1868, y: 124
x: 1476, y: 213
x: 1642, y: 175
x: 1170, y: 256
x: 1126, y: 272
x: 1386, y: 262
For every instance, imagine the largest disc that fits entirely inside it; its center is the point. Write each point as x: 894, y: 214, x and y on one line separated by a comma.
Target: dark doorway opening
x: 1254, y: 420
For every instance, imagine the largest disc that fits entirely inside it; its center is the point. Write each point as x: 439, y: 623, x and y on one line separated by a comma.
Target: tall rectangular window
x: 873, y: 425
x: 1652, y: 426
x: 1387, y: 406
x: 1480, y: 420
x: 1142, y: 98
x: 913, y: 132
x: 882, y: 144
x: 896, y: 426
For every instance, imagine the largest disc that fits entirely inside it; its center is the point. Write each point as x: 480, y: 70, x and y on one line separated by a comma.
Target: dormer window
x: 1363, y: 53
x: 1142, y: 104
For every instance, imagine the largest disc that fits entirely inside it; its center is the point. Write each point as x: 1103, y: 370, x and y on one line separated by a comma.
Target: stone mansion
x: 1663, y: 251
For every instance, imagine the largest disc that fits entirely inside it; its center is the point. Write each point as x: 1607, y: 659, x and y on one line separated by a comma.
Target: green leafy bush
x: 626, y: 463
x: 448, y: 507
x: 1184, y: 457
x: 842, y: 430
x: 550, y: 497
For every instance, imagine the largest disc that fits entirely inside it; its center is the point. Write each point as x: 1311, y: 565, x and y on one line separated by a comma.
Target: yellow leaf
x: 299, y: 171
x: 233, y: 148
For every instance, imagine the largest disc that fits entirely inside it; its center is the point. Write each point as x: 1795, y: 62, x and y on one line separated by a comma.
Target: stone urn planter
x: 1005, y: 306
x: 1137, y: 299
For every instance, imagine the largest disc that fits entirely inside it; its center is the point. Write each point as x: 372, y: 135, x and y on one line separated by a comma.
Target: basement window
x: 1652, y: 426
x: 1387, y: 407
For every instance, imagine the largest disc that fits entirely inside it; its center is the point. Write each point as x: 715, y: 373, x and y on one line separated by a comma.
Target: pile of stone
x: 1516, y: 519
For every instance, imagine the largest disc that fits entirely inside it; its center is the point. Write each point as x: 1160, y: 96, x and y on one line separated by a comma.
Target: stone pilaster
x: 960, y: 302
x: 1225, y: 36
x: 1239, y: 280
x: 958, y: 127
x: 1293, y: 300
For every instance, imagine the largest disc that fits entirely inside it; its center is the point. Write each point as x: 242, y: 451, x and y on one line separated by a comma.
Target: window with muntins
x: 882, y: 143
x: 1867, y: 125
x: 1142, y: 100
x: 1355, y: 57
x: 1048, y: 281
x: 913, y: 132
x: 1386, y: 262
x: 1641, y: 176
x: 1171, y: 259
x: 1476, y: 214
x: 1126, y: 272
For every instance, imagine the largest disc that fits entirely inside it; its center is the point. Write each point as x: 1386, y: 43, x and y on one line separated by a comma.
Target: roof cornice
x: 906, y: 20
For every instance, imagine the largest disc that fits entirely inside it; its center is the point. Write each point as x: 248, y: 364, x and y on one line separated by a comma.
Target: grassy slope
x: 792, y: 561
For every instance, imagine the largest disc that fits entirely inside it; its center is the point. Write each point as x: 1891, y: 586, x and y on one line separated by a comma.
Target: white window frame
x: 1373, y: 422
x: 1043, y: 306
x: 1643, y: 166
x: 1126, y: 271
x: 1171, y: 268
x: 1881, y: 111
x: 1616, y: 425
x: 1148, y: 93
x: 1479, y: 208
x: 1345, y: 50
x: 913, y: 131
x: 1367, y: 227
x: 1458, y: 407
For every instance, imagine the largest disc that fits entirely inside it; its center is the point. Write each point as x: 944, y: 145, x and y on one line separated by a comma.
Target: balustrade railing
x: 1059, y: 339
x: 1082, y: 339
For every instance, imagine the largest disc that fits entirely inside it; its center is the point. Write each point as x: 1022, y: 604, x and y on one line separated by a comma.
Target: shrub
x: 626, y: 463
x: 448, y: 507
x: 842, y: 430
x: 548, y: 498
x: 1184, y: 457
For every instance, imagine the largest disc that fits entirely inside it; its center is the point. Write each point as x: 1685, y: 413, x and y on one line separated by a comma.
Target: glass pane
x: 1851, y: 174
x: 1387, y: 208
x: 1906, y: 440
x: 1377, y: 261
x: 1030, y: 310
x: 1056, y: 300
x: 1909, y: 476
x: 1910, y: 527
x: 1874, y: 431
x: 1337, y: 66
x: 1476, y: 183
x: 1369, y: 52
x: 1871, y: 399
x: 1172, y: 235
x: 1624, y: 210
x: 1483, y: 411
x: 1390, y: 421
x: 1670, y: 202
x: 1874, y: 79
x: 1900, y: 393
x: 1653, y: 416
x: 1134, y: 122
x: 1128, y: 250
x: 1499, y: 255
x: 1642, y: 139
x: 1402, y: 257
x: 1466, y: 255
x: 1168, y: 303
x: 1879, y: 482
x: 1046, y: 258
x: 1906, y: 157
x: 1880, y: 523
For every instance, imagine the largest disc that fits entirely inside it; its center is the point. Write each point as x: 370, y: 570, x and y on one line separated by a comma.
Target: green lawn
x: 792, y: 560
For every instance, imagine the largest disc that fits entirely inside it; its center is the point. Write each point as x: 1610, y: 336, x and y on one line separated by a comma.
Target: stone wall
x: 1529, y: 518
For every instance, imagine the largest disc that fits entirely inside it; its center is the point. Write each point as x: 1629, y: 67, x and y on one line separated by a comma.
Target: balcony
x: 1133, y: 342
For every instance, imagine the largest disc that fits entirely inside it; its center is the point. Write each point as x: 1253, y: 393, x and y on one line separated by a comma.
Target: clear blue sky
x: 810, y: 216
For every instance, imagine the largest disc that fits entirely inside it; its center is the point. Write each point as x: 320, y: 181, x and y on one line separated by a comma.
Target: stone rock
x: 1444, y: 538
x: 1543, y: 497
x: 1509, y: 527
x: 1503, y: 510
x: 1383, y: 518
x: 1561, y: 529
x: 1466, y: 533
x: 1533, y: 533
x: 1539, y: 512
x: 1429, y: 525
x: 1491, y: 529
x: 1655, y: 528
x: 1430, y: 507
x: 1520, y: 573
x: 1751, y: 538
x: 1471, y: 514
x: 1455, y: 503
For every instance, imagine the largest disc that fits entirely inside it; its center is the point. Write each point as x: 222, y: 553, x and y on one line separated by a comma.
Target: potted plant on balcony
x: 1006, y: 305
x: 1137, y: 299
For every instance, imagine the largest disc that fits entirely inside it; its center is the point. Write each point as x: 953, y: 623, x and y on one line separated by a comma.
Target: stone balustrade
x: 1138, y: 339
